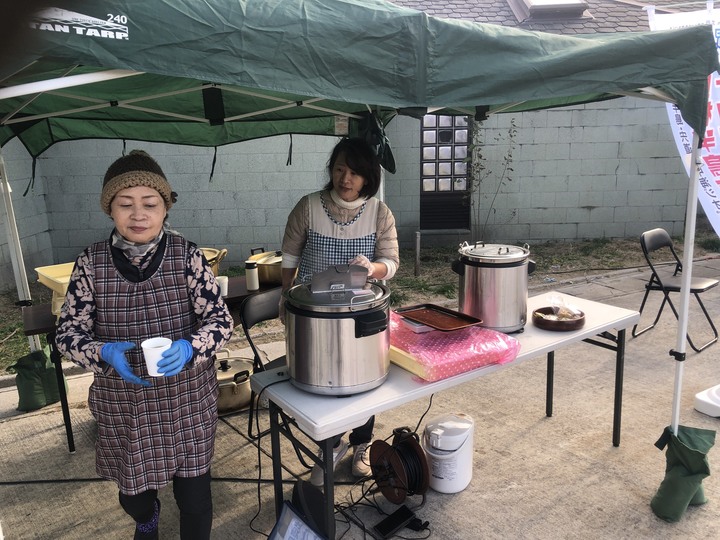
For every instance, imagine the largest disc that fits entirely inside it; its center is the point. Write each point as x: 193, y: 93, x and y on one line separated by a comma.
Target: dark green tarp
x: 307, y: 66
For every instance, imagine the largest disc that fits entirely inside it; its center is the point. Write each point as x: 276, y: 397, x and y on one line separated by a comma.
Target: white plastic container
x: 252, y: 278
x: 448, y: 445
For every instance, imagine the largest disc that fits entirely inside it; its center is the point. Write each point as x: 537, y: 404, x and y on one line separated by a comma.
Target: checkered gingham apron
x: 147, y: 435
x: 331, y: 243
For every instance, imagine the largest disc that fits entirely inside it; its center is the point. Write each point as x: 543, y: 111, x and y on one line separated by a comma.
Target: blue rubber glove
x: 175, y: 358
x: 114, y: 354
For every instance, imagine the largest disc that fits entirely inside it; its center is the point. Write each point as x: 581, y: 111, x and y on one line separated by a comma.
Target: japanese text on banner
x: 709, y: 170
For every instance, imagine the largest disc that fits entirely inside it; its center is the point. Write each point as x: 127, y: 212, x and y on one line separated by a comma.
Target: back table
x: 323, y: 417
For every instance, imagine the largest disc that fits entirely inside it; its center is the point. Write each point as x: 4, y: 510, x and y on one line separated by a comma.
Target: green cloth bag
x: 686, y: 467
x: 36, y: 381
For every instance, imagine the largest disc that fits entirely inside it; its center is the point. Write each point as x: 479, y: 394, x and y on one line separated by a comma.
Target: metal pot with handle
x: 269, y: 265
x: 494, y: 284
x: 234, y: 382
x: 214, y: 257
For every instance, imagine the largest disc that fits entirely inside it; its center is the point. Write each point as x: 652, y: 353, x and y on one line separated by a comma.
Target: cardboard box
x: 408, y: 362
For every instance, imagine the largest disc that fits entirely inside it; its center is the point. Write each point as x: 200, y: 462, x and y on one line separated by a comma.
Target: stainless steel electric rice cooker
x: 337, y: 335
x: 494, y: 284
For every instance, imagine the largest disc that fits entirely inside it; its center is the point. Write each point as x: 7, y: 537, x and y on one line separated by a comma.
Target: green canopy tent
x: 221, y: 71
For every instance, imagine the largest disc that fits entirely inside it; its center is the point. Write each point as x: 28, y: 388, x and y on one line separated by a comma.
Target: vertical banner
x: 709, y: 171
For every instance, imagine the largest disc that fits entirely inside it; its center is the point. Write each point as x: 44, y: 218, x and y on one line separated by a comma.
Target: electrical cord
x: 348, y: 511
x: 259, y: 461
x: 409, y: 459
x: 413, y: 467
x: 400, y: 469
x: 425, y: 413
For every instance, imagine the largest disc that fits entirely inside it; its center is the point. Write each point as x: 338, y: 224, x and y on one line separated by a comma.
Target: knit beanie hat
x: 135, y: 169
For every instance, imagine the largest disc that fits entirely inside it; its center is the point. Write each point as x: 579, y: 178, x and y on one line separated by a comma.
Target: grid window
x: 429, y: 184
x: 444, y: 151
x: 444, y: 184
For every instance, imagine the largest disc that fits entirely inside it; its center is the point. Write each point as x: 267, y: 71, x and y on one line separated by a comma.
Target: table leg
x: 617, y: 344
x: 619, y: 370
x: 327, y: 446
x: 550, y: 381
x: 275, y: 452
x: 56, y: 359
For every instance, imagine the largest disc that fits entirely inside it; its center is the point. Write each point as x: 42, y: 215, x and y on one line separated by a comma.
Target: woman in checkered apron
x: 147, y: 281
x: 343, y: 224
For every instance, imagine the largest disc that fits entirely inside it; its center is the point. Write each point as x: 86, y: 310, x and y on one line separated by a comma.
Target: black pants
x: 361, y: 434
x: 193, y: 497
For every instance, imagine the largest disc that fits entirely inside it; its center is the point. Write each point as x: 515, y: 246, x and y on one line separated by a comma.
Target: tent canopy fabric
x: 221, y: 71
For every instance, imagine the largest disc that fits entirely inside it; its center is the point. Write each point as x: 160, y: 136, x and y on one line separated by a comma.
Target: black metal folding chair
x: 255, y: 309
x: 658, y: 239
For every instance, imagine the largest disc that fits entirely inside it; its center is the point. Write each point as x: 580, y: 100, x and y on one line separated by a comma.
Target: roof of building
x: 600, y: 15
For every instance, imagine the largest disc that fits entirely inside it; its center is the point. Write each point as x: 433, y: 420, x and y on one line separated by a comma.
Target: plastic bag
x: 36, y: 381
x: 440, y: 355
x: 562, y: 310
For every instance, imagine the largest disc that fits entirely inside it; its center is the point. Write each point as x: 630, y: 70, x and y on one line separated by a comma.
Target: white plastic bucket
x: 448, y: 445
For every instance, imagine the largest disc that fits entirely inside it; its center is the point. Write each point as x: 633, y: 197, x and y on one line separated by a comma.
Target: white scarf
x: 348, y: 205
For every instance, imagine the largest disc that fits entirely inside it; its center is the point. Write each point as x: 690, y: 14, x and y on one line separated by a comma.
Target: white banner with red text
x: 709, y: 170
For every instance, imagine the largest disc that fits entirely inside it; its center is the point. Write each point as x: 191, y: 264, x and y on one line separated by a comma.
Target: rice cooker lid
x: 270, y: 257
x: 494, y: 253
x: 228, y: 369
x: 367, y: 297
x: 448, y: 432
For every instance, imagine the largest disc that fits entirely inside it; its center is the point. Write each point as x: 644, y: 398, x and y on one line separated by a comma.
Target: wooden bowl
x: 541, y: 320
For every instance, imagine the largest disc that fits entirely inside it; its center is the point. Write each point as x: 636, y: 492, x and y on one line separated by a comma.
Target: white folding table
x: 323, y: 417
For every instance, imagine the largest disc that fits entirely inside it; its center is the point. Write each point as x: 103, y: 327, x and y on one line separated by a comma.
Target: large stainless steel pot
x: 494, y: 284
x: 269, y: 265
x: 337, y: 342
x: 234, y: 382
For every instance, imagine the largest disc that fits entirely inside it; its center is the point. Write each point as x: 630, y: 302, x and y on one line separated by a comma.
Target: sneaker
x: 361, y: 460
x: 149, y: 530
x: 317, y: 477
x: 263, y: 402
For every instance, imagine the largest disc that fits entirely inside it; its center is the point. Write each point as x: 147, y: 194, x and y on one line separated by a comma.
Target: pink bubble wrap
x: 444, y: 354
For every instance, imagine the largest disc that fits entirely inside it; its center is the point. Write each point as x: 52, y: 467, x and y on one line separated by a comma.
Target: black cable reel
x: 400, y: 469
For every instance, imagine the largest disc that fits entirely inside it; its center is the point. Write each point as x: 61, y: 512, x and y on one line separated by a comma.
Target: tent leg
x: 690, y: 218
x: 21, y: 281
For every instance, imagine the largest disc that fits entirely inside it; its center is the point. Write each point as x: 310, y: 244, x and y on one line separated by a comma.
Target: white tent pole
x: 64, y: 82
x: 690, y: 219
x: 16, y: 256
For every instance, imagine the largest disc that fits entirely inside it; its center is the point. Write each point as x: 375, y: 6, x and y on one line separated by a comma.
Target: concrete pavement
x: 533, y: 476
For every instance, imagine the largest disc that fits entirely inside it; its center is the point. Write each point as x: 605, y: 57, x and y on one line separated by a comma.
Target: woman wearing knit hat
x: 146, y: 281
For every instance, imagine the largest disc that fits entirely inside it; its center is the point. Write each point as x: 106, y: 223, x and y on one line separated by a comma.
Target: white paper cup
x: 152, y: 350
x: 223, y: 282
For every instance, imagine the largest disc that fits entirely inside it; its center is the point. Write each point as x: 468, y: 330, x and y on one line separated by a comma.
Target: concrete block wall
x: 402, y: 189
x: 602, y: 170
x: 244, y: 205
x: 31, y: 217
x: 605, y: 170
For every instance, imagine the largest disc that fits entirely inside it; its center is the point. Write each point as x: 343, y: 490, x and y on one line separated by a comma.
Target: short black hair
x: 362, y: 159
